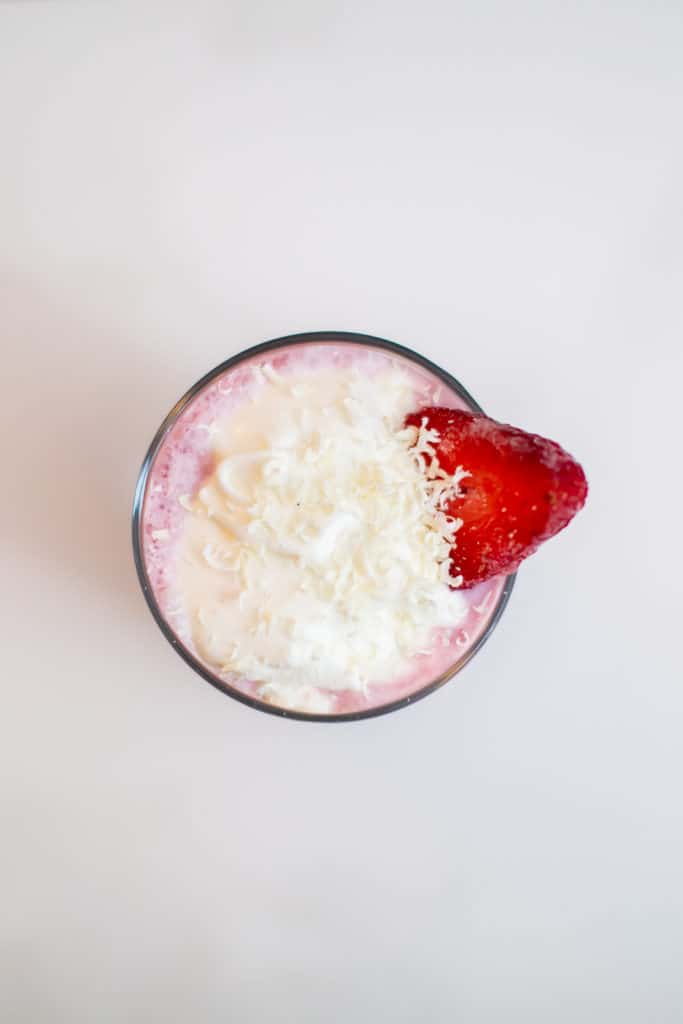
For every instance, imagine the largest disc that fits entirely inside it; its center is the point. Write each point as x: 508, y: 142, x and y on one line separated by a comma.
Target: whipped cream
x: 315, y: 558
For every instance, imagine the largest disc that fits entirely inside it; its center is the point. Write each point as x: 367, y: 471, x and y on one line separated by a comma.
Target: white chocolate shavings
x: 317, y: 556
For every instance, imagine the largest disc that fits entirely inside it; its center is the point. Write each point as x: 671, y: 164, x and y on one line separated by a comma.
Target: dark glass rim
x: 335, y: 337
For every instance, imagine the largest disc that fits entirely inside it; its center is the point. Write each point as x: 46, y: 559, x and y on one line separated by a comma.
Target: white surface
x: 498, y: 186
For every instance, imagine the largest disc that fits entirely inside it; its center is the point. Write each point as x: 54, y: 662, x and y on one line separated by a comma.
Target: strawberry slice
x: 521, y: 490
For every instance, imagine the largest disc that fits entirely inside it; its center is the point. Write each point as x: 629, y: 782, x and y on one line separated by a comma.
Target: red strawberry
x: 522, y: 489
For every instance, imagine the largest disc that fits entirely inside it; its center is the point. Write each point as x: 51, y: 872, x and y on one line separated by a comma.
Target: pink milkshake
x: 288, y: 542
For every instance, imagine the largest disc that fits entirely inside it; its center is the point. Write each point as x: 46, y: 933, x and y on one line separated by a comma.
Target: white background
x: 499, y: 186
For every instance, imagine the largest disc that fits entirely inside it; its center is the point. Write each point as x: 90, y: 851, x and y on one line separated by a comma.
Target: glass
x: 337, y: 338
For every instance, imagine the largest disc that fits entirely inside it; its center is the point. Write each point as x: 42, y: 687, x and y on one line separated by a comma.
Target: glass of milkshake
x: 288, y: 542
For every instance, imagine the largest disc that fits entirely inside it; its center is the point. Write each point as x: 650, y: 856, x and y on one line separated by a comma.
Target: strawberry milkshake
x: 294, y: 531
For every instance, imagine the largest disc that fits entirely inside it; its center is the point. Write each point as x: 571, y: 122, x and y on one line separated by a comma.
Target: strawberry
x: 522, y: 489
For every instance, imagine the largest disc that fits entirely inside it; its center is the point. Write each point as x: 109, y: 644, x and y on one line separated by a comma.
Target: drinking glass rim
x: 169, y: 421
